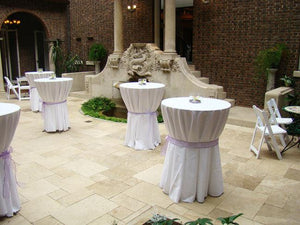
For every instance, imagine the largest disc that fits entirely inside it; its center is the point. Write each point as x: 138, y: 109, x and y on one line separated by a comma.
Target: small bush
x: 97, y: 52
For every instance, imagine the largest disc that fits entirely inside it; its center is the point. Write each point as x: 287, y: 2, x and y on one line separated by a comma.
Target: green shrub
x: 97, y: 52
x: 96, y: 107
x: 269, y: 58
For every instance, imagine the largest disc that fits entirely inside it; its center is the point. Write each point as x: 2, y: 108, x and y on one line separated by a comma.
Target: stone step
x: 231, y: 101
x: 192, y: 67
x: 196, y: 73
x: 80, y: 94
x: 222, y: 95
x: 204, y: 79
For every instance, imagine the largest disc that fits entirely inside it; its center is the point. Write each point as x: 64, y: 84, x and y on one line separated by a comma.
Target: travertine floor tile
x: 127, y: 202
x: 85, y: 211
x: 36, y: 189
x: 39, y: 208
x: 154, y: 196
x: 120, y: 212
x: 49, y: 220
x: 243, y: 201
x: 108, y: 188
x: 151, y: 175
x: 17, y: 219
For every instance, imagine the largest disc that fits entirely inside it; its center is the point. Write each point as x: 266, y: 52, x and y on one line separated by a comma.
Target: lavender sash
x: 185, y: 144
x: 51, y: 103
x: 146, y: 113
x: 7, y: 174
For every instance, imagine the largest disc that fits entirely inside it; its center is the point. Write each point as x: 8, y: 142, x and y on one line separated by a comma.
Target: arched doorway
x: 23, y: 45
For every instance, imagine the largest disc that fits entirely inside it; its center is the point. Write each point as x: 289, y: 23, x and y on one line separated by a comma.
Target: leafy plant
x: 97, y: 52
x: 269, y: 58
x: 200, y: 221
x: 72, y: 63
x: 57, y: 56
x: 230, y: 219
x: 158, y: 219
x: 288, y: 81
x: 95, y: 107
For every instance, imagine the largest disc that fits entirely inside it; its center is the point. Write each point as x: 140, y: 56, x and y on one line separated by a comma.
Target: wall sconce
x: 131, y: 8
x: 205, y: 1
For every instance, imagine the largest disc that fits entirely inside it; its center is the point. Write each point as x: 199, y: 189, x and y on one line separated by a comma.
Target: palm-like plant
x: 57, y: 56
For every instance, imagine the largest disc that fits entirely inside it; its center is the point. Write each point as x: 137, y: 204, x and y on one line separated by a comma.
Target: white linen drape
x: 54, y: 93
x: 142, y: 102
x: 35, y: 100
x: 191, y: 173
x: 9, y: 199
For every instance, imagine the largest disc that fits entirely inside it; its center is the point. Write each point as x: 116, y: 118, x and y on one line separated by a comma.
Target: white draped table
x: 54, y: 93
x: 9, y: 199
x: 35, y: 100
x: 192, y: 168
x: 142, y: 102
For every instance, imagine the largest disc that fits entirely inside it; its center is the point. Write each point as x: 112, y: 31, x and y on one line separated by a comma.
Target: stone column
x: 157, y: 22
x: 118, y: 27
x: 1, y: 72
x: 170, y: 27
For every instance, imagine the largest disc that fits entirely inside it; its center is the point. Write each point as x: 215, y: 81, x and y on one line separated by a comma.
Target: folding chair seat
x: 22, y: 87
x: 267, y: 131
x: 275, y: 115
x: 9, y: 87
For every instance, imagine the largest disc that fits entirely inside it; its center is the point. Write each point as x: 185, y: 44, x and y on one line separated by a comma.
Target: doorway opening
x: 23, y: 45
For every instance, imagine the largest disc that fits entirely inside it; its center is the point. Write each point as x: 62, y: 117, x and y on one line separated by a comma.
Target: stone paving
x: 87, y: 176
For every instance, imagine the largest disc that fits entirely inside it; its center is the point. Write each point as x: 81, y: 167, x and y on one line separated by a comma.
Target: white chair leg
x: 283, y: 143
x: 276, y: 148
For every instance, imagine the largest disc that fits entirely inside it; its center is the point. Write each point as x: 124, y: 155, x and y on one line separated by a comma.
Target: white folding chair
x: 275, y: 115
x: 268, y: 132
x: 22, y: 87
x: 9, y: 87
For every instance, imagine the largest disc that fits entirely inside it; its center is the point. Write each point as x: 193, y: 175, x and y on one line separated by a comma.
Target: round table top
x: 57, y: 79
x: 136, y: 85
x: 205, y: 104
x: 8, y: 108
x: 292, y: 109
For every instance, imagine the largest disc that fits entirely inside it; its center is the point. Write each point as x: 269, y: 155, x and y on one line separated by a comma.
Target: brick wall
x: 92, y: 22
x: 229, y: 34
x: 51, y: 15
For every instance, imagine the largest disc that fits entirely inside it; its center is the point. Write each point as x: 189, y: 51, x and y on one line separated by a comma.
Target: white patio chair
x: 268, y: 133
x: 275, y: 115
x: 9, y: 87
x: 22, y: 87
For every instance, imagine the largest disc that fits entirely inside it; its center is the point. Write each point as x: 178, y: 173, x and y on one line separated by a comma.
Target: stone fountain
x: 146, y: 60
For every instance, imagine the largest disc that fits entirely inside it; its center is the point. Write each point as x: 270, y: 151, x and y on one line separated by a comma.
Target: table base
x: 56, y: 117
x: 191, y: 174
x: 142, y: 131
x: 35, y: 100
x: 9, y: 202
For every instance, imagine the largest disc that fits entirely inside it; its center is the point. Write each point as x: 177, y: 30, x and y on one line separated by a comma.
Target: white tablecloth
x: 35, y: 100
x: 142, y: 102
x: 54, y: 93
x: 192, y: 168
x: 9, y: 199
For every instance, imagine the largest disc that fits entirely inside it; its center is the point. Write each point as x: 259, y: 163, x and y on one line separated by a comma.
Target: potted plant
x: 97, y: 53
x: 267, y: 63
x: 288, y: 81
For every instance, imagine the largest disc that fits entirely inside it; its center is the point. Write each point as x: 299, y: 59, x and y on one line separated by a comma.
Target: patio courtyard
x: 87, y: 176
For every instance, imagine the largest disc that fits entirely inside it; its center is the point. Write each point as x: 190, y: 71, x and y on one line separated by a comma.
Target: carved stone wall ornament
x: 114, y: 62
